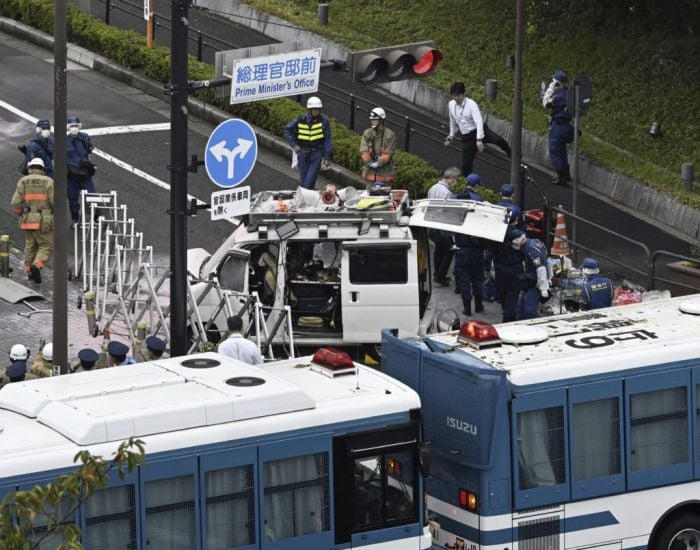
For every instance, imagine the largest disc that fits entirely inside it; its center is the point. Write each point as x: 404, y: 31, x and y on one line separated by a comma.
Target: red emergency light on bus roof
x: 478, y: 334
x: 332, y: 362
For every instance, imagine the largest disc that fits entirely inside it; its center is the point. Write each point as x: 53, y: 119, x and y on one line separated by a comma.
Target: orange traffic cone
x: 560, y: 246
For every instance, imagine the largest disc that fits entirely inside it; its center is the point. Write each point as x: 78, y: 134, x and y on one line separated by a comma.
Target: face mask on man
x: 45, y: 134
x: 73, y: 130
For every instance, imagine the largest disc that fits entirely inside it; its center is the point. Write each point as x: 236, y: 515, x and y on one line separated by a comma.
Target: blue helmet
x: 560, y: 76
x: 590, y: 266
x: 507, y: 189
x: 43, y: 124
x: 473, y: 179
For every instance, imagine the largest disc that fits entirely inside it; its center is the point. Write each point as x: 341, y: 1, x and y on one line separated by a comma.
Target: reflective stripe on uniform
x: 30, y: 226
x: 36, y: 197
x: 371, y: 176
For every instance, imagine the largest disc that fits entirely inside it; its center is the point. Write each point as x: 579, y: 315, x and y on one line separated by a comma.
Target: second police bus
x: 574, y: 431
x: 298, y: 454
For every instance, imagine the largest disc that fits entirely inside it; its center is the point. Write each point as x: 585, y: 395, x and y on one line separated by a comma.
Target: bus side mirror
x: 424, y: 459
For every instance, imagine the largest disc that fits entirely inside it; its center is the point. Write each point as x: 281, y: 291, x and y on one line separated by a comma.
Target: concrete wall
x: 678, y: 219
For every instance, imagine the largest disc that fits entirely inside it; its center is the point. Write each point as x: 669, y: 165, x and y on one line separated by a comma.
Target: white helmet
x: 36, y: 161
x: 19, y: 352
x: 377, y: 112
x: 314, y: 103
x: 47, y: 352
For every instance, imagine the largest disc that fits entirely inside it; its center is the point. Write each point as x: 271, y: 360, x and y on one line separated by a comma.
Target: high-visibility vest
x: 310, y: 132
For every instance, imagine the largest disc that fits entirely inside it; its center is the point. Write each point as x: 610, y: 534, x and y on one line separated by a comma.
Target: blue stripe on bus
x: 503, y: 536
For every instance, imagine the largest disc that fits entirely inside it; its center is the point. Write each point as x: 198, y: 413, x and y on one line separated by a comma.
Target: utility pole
x: 516, y: 145
x: 179, y: 91
x: 60, y: 209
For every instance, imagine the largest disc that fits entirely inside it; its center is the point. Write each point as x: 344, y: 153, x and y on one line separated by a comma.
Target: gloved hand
x: 374, y: 165
x: 544, y: 296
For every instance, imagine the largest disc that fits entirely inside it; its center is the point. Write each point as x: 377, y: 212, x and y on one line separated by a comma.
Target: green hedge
x: 129, y: 49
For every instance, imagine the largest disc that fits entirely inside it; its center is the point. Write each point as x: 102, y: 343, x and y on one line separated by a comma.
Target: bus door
x: 477, y: 219
x: 379, y: 289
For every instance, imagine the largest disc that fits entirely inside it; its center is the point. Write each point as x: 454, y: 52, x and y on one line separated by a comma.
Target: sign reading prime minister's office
x: 258, y: 78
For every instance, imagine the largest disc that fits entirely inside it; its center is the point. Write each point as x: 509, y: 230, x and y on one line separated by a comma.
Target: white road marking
x: 114, y: 160
x: 128, y: 129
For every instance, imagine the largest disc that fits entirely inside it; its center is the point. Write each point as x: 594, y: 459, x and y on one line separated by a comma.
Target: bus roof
x: 185, y: 393
x: 591, y: 342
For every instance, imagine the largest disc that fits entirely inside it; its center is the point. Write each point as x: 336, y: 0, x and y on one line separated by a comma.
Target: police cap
x: 88, y: 356
x: 507, y: 189
x: 16, y: 369
x: 473, y: 179
x: 117, y: 348
x: 515, y: 233
x: 43, y: 123
x: 155, y: 343
x: 560, y: 76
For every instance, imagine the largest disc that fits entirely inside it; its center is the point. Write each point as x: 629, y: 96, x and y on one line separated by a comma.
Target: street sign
x: 231, y: 153
x: 146, y: 9
x: 585, y: 95
x: 230, y: 203
x: 284, y: 74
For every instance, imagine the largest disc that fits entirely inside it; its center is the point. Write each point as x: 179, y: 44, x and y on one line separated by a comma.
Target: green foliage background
x: 641, y: 56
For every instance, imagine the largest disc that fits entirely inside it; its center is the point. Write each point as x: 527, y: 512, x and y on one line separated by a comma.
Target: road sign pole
x: 178, y: 179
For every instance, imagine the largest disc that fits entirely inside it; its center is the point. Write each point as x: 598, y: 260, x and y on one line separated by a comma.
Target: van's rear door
x: 478, y: 219
x: 379, y: 288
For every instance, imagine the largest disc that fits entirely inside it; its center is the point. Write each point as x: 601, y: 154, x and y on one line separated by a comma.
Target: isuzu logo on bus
x: 461, y: 425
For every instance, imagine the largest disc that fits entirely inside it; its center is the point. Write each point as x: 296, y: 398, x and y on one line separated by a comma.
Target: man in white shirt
x: 237, y: 346
x: 466, y: 125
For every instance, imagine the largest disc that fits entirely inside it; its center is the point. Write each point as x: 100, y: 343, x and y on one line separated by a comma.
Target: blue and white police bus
x: 574, y: 431
x: 297, y: 454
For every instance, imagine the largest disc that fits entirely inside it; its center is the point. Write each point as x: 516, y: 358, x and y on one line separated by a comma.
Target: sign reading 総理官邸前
x: 258, y: 78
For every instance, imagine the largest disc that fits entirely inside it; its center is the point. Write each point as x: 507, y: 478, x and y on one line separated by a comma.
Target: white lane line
x: 128, y: 129
x: 110, y: 158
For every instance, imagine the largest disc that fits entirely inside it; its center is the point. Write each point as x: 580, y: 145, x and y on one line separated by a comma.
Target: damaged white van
x: 332, y: 267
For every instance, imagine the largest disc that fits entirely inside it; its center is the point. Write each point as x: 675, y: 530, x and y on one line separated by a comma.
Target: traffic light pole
x: 179, y: 92
x: 516, y: 141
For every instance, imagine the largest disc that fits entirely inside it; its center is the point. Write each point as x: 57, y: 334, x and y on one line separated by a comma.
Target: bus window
x: 381, y: 265
x: 541, y: 437
x: 596, y: 433
x: 170, y: 518
x: 297, y: 500
x: 659, y: 428
x: 110, y: 518
x: 230, y: 507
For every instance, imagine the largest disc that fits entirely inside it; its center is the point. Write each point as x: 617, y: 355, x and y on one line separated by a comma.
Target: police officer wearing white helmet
x: 377, y: 147
x: 309, y: 135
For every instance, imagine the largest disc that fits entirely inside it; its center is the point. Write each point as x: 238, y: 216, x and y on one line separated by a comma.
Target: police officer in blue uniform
x: 598, y: 291
x: 118, y: 354
x: 469, y: 253
x: 155, y: 347
x: 88, y: 358
x: 534, y: 281
x: 80, y: 168
x: 508, y: 267
x: 42, y: 146
x: 309, y: 135
x: 470, y: 191
x: 561, y: 131
x: 516, y: 214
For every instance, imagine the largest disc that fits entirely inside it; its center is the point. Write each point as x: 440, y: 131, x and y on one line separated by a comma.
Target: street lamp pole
x: 516, y: 142
x: 60, y: 208
x: 178, y: 178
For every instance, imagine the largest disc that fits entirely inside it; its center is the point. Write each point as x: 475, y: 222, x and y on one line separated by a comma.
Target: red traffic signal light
x: 394, y: 62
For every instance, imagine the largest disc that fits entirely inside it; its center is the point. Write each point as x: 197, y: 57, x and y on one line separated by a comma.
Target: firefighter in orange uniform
x: 33, y: 203
x: 377, y: 150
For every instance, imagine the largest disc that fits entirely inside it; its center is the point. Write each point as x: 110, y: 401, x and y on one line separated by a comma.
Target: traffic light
x: 394, y: 62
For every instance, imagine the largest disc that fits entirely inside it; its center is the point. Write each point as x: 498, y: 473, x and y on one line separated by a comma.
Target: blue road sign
x: 231, y: 153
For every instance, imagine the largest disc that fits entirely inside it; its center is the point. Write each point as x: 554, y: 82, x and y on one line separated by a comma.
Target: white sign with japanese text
x: 146, y: 9
x: 230, y: 203
x: 258, y: 78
